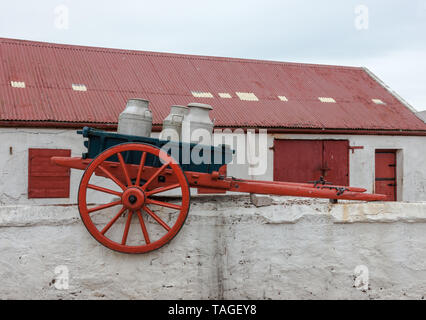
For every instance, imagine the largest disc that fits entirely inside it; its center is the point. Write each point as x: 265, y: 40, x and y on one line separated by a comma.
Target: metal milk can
x: 197, y: 122
x: 172, y: 124
x: 136, y: 119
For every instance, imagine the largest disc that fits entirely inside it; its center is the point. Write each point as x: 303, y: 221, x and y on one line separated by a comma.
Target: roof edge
x: 392, y: 92
x: 168, y: 54
x: 157, y: 128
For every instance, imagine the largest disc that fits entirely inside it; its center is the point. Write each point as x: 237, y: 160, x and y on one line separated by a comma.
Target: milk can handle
x: 177, y: 118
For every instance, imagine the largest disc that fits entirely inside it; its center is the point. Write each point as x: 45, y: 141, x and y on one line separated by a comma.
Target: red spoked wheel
x: 136, y: 188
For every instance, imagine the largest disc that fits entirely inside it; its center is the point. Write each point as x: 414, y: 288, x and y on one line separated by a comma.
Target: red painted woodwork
x: 385, y: 174
x: 336, y: 159
x: 297, y: 160
x: 199, y: 179
x: 307, y: 160
x: 46, y: 179
x: 140, y: 185
x: 195, y: 179
x: 223, y: 172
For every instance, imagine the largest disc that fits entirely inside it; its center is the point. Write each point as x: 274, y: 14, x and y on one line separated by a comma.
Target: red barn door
x: 307, y: 160
x: 47, y: 180
x: 386, y: 173
x: 336, y: 161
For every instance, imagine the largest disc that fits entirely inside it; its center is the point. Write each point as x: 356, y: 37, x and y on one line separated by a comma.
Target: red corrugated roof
x: 112, y: 76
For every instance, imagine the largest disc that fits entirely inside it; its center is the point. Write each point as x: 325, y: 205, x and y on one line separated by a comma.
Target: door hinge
x: 355, y: 147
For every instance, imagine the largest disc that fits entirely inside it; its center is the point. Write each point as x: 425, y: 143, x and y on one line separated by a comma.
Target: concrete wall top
x: 227, y: 249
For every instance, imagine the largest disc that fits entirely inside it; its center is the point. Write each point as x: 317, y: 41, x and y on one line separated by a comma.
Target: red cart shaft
x: 140, y: 183
x: 215, y: 181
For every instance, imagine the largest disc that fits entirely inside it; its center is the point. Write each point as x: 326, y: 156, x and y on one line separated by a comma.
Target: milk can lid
x: 200, y: 105
x: 138, y: 99
x: 178, y: 106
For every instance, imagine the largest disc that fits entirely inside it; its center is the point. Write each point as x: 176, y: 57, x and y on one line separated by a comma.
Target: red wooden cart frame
x: 140, y: 184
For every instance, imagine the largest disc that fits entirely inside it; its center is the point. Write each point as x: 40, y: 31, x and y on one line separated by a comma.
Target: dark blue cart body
x: 99, y: 140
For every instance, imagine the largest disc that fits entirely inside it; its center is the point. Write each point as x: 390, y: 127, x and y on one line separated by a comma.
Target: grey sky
x: 393, y: 46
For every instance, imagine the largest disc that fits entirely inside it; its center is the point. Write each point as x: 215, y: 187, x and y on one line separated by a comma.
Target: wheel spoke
x: 158, y: 190
x: 164, y: 204
x: 141, y: 165
x: 143, y: 226
x: 123, y: 167
x: 106, y: 228
x: 156, y: 218
x: 92, y: 186
x: 104, y: 170
x: 155, y: 175
x: 126, y: 228
x: 104, y: 206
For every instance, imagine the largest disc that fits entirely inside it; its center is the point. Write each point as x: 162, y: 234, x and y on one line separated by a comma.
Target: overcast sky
x: 388, y: 37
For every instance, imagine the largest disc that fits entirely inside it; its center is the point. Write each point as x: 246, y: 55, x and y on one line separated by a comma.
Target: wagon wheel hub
x: 133, y: 198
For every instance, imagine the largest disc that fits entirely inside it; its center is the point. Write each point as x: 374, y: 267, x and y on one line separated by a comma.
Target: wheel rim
x: 134, y: 197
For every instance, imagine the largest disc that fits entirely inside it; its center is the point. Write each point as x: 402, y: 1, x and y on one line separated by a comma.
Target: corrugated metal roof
x: 56, y: 75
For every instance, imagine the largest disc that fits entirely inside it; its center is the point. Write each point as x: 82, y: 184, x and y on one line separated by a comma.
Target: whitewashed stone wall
x: 228, y: 248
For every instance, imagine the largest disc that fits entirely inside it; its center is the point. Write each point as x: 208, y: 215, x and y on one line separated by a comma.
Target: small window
x: 47, y: 180
x: 79, y: 87
x: 247, y: 96
x: 200, y: 94
x: 225, y: 95
x: 17, y: 84
x: 327, y: 100
x: 377, y: 101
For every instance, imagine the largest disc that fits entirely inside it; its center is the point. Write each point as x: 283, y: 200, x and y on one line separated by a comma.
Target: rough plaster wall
x: 228, y: 248
x: 14, y: 172
x: 14, y: 167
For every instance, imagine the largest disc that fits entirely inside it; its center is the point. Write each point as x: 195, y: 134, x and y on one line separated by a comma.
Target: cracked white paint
x: 227, y: 249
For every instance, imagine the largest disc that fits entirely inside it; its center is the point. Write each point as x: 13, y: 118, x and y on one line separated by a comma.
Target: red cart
x: 142, y: 171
